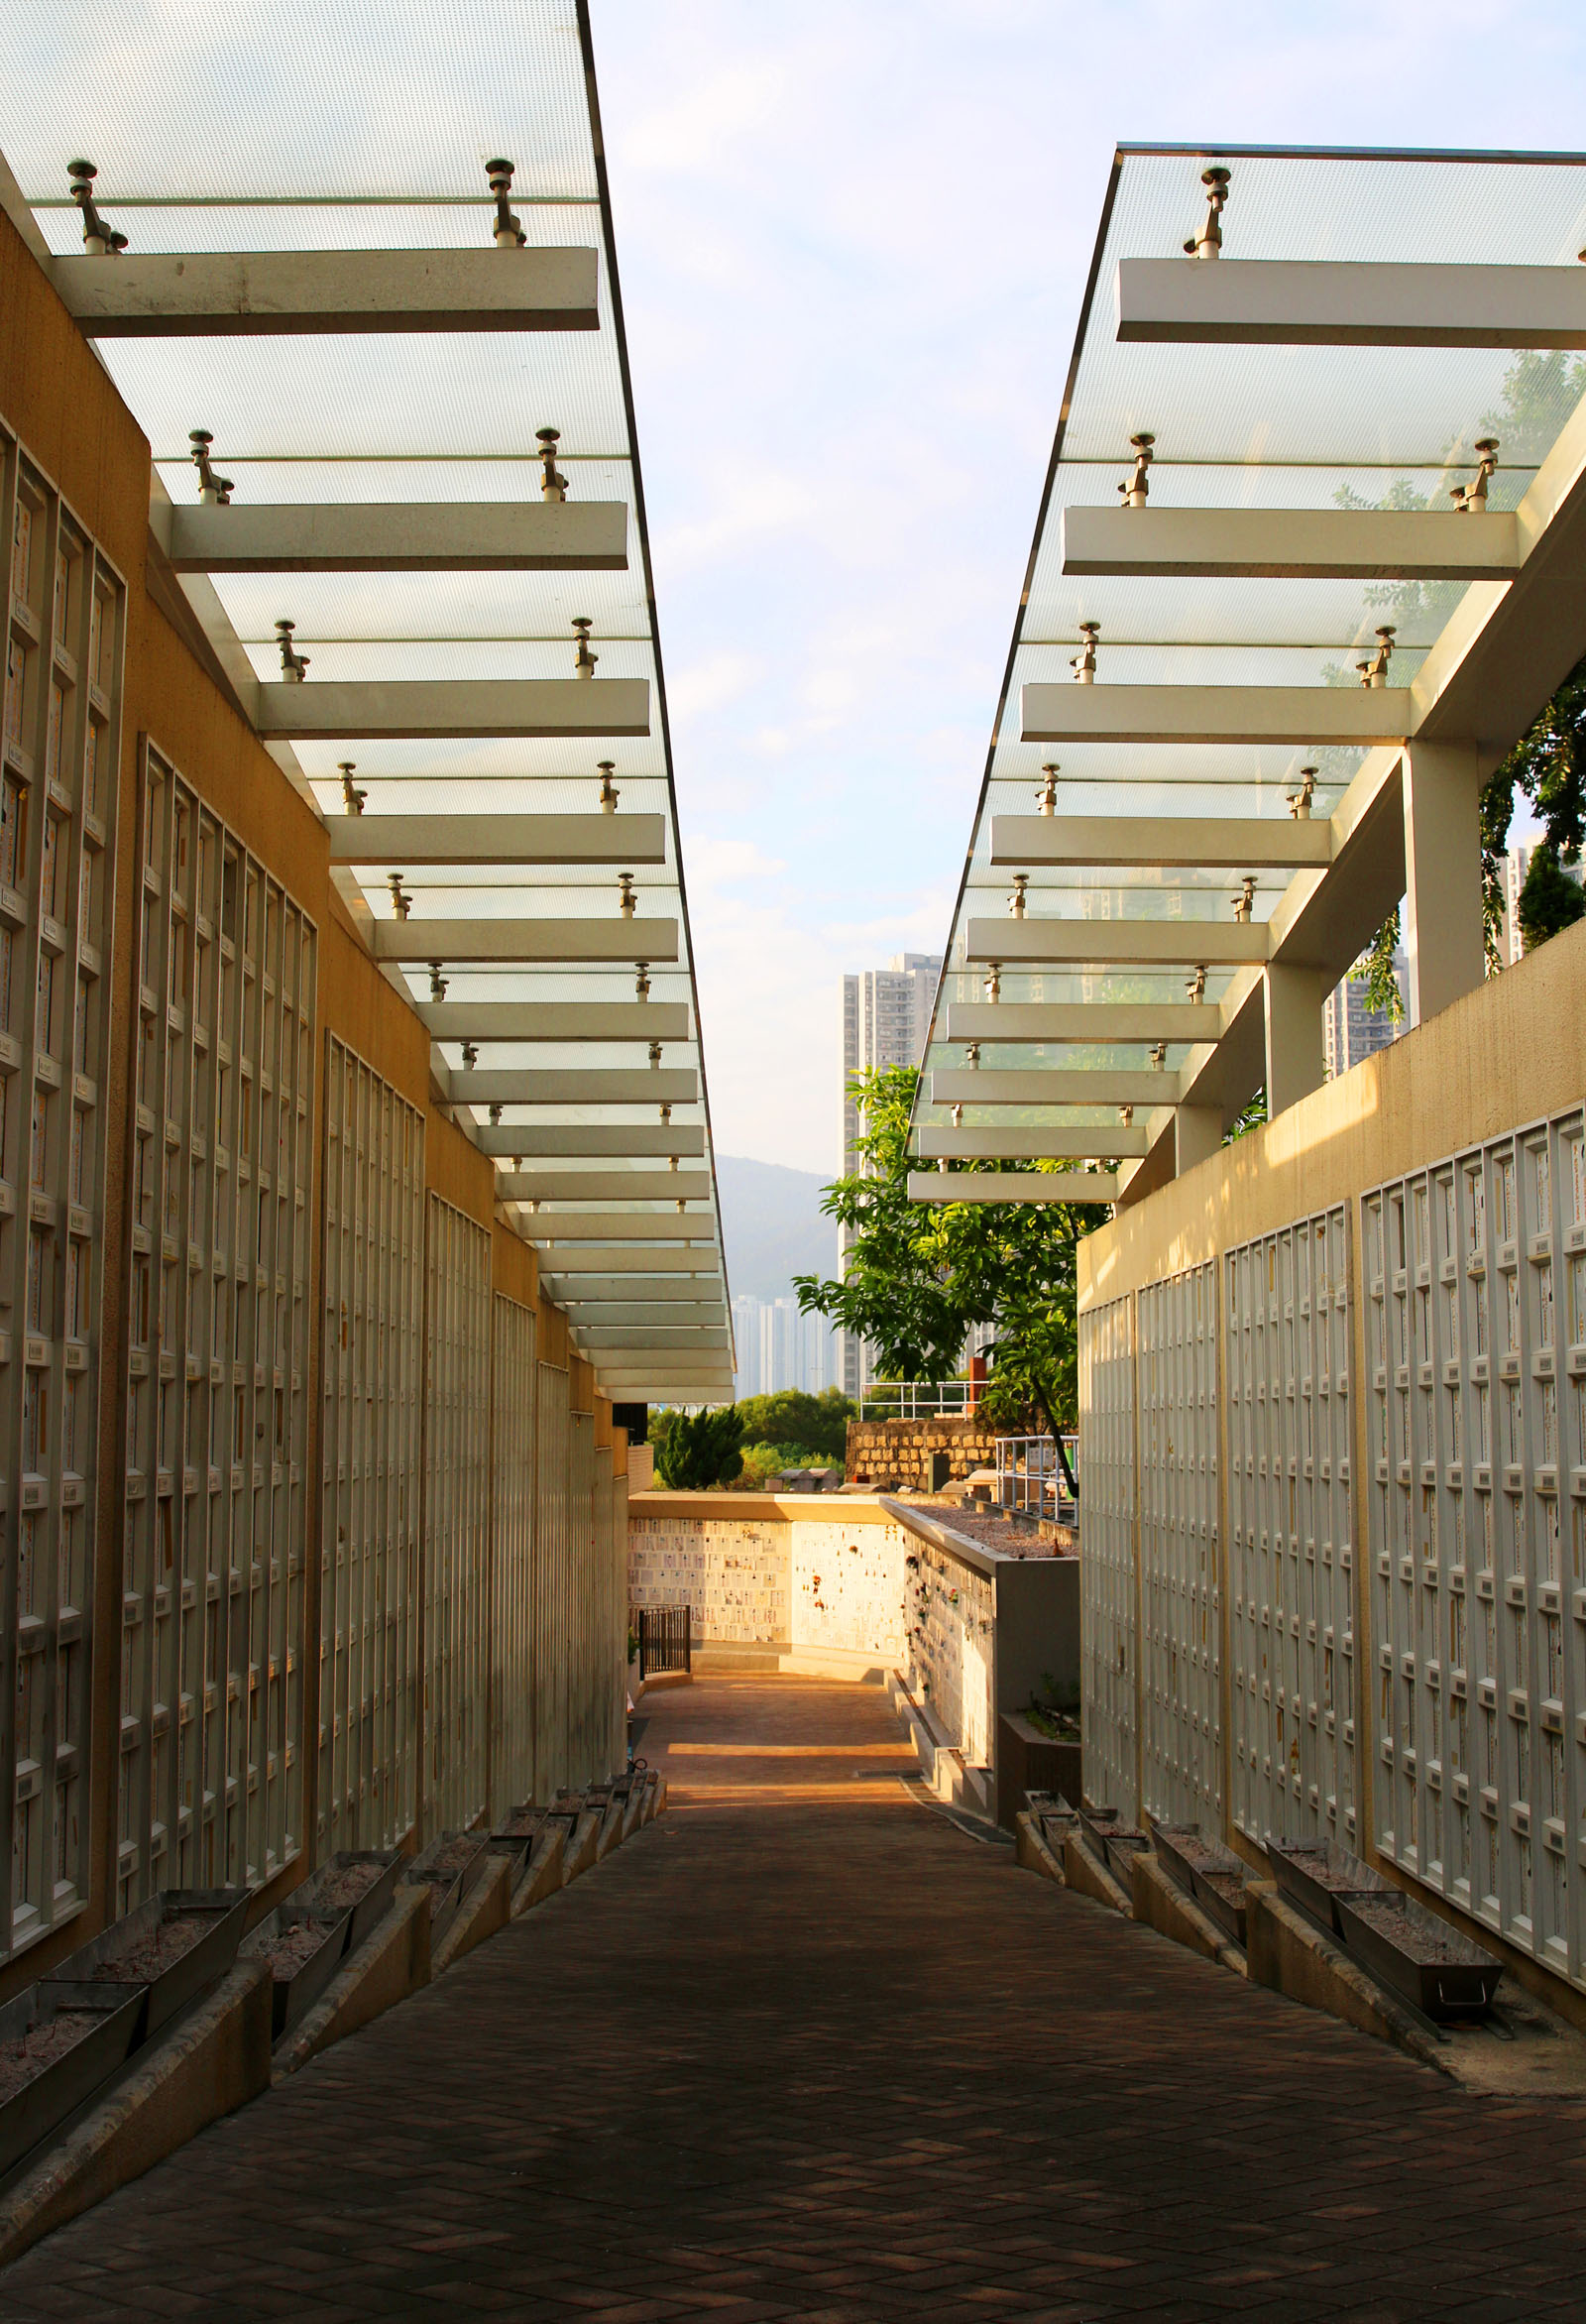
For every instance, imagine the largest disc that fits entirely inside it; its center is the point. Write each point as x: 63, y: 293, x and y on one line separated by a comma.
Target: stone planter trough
x: 106, y: 2020
x: 141, y: 1951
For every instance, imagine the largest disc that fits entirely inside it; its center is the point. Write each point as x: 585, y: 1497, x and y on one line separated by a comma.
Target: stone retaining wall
x: 888, y: 1454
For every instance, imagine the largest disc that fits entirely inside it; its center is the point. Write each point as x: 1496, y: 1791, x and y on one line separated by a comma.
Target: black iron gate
x: 665, y: 1638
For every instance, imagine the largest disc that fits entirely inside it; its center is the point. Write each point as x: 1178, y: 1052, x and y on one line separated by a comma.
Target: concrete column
x: 1295, y: 1066
x: 1443, y: 939
x: 1197, y: 1133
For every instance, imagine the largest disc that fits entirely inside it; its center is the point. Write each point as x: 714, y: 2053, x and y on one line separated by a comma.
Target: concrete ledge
x: 391, y: 1962
x: 214, y: 2060
x: 1088, y: 1877
x: 611, y: 1832
x: 1030, y: 1849
x: 1288, y: 1954
x: 542, y: 1875
x: 1162, y: 1904
x: 582, y: 1846
x: 633, y: 1812
x: 486, y: 1908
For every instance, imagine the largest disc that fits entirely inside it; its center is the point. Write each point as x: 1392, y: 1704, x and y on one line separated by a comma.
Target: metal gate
x: 1180, y: 1599
x: 1290, y: 1527
x: 1107, y: 1568
x: 372, y: 1380
x: 222, y: 1172
x: 456, y: 1528
x: 665, y: 1637
x: 58, y: 784
x: 1476, y: 1289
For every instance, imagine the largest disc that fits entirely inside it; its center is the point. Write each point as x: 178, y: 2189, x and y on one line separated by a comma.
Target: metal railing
x: 665, y: 1638
x: 915, y: 1398
x: 1030, y: 1476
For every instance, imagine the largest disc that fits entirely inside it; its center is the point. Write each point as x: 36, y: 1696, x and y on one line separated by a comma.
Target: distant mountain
x: 771, y: 1225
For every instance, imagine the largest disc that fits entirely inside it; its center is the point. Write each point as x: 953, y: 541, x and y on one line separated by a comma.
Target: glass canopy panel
x: 1249, y: 428
x: 293, y: 162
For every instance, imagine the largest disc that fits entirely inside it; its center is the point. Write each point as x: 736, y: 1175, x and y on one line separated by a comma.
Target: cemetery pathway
x: 802, y: 2049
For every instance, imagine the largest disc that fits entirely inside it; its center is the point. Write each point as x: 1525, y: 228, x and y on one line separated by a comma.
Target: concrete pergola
x: 398, y: 511
x: 1292, y: 595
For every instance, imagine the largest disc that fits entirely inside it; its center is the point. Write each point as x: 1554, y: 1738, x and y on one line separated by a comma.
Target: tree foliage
x: 1549, y: 899
x: 697, y: 1449
x: 794, y: 1419
x: 919, y: 1275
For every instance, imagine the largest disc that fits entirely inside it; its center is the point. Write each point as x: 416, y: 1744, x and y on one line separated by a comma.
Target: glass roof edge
x: 1087, y: 302
x: 1147, y: 148
x: 586, y: 42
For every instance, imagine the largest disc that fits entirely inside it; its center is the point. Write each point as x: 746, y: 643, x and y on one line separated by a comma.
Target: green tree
x: 793, y: 1417
x: 1549, y: 899
x: 920, y: 1274
x: 698, y: 1450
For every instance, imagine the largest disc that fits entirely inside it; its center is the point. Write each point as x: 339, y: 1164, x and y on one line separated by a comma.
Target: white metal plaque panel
x: 1181, y: 1600
x: 552, y: 1579
x: 512, y: 1642
x: 1290, y: 1532
x: 59, y: 772
x: 218, y: 1227
x: 1475, y: 1281
x: 371, y: 1433
x: 456, y: 1532
x: 1109, y: 1622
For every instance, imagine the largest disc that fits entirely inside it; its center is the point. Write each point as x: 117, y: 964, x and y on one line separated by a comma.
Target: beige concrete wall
x: 1506, y: 1056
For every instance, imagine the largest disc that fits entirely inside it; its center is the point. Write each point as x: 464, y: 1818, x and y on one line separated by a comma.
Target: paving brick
x: 803, y: 2050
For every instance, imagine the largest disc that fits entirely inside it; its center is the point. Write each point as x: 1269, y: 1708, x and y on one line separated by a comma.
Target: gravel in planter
x: 21, y: 2063
x: 294, y: 1947
x: 346, y: 1888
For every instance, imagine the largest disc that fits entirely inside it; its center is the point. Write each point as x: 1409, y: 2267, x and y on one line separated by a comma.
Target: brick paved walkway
x: 804, y: 2050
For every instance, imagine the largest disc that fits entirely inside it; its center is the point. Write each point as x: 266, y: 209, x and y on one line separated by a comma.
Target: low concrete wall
x: 854, y: 1585
x: 780, y: 1571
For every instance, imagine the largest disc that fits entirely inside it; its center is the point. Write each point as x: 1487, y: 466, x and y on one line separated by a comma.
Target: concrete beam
x: 587, y: 939
x: 496, y: 839
x: 1296, y: 1060
x: 1099, y: 1022
x: 252, y: 293
x: 474, y: 709
x: 661, y: 1296
x: 605, y: 1186
x: 1089, y: 1143
x: 660, y: 1226
x: 1292, y: 544
x: 584, y: 1142
x: 555, y: 1021
x: 635, y: 1338
x: 572, y: 1086
x: 702, y: 1315
x: 401, y: 537
x: 1050, y: 942
x: 1308, y: 302
x: 1103, y: 1085
x: 1305, y: 715
x: 1444, y: 936
x: 1244, y: 843
x: 1013, y: 1186
x: 701, y: 1264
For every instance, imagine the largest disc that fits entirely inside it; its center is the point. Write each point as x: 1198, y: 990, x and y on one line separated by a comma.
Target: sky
x: 852, y: 237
